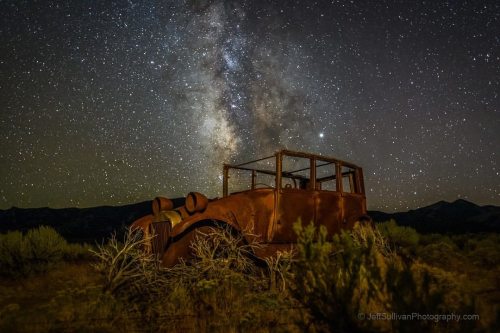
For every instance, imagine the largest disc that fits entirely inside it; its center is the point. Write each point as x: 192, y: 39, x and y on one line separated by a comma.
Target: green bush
x: 427, y: 239
x: 34, y: 252
x: 405, y: 239
x: 13, y: 253
x: 443, y: 255
x: 346, y: 281
x: 481, y: 250
x: 338, y: 280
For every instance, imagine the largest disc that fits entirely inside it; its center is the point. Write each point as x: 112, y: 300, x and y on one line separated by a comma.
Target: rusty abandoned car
x: 262, y: 199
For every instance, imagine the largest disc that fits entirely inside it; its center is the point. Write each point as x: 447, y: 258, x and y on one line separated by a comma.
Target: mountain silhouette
x: 76, y: 224
x: 460, y: 216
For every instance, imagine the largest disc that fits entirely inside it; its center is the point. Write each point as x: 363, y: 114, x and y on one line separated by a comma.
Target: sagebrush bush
x: 405, y: 239
x: 13, y: 253
x: 46, y: 244
x: 126, y: 268
x: 34, y: 252
x: 344, y: 281
x: 337, y: 280
x: 221, y: 285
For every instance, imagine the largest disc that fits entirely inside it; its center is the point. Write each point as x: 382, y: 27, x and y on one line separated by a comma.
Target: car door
x: 293, y: 204
x: 295, y: 199
x: 329, y: 204
x: 353, y: 199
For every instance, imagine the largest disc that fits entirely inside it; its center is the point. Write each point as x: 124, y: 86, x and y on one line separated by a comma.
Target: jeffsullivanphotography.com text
x: 417, y: 316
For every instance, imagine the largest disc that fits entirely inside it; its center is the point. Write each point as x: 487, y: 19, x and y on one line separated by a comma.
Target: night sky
x: 115, y: 102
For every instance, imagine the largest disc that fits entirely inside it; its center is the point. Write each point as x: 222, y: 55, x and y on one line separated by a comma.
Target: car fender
x: 179, y: 247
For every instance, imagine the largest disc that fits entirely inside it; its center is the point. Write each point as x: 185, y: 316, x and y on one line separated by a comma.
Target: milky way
x: 114, y: 102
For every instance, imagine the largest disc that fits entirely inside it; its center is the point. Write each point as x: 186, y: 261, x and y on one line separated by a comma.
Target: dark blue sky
x: 115, y: 102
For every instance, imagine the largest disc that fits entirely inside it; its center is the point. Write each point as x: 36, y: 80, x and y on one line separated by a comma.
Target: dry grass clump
x: 222, y: 285
x: 126, y: 268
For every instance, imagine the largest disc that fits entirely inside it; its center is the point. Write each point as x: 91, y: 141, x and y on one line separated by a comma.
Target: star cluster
x: 113, y: 102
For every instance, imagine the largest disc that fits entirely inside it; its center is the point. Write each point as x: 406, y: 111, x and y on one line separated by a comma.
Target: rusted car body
x: 262, y: 199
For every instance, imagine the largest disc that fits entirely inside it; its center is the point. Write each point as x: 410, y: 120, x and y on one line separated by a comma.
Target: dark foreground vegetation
x: 365, y: 280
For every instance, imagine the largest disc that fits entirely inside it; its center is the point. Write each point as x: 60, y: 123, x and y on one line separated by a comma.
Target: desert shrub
x: 447, y: 252
x: 337, y: 280
x: 226, y: 289
x: 280, y: 270
x: 426, y: 239
x: 14, y: 254
x: 485, y: 255
x: 343, y: 282
x: 126, y: 268
x: 221, y: 285
x: 46, y: 244
x: 442, y: 254
x: 34, y: 252
x: 77, y: 252
x: 482, y: 250
x: 425, y: 289
x: 405, y: 239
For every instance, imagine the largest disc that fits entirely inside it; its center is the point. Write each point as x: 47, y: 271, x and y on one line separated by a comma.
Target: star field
x: 114, y: 102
